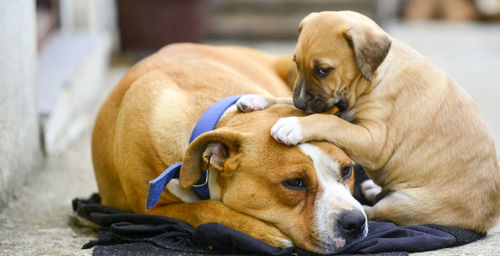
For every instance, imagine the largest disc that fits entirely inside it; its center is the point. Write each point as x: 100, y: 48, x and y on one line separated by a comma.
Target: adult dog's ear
x: 218, y: 149
x: 371, y: 45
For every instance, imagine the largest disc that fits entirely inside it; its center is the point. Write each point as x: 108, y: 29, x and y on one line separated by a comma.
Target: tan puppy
x: 279, y: 194
x: 418, y: 134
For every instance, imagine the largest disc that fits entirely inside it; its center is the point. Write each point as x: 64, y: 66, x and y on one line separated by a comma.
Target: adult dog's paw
x: 251, y: 102
x: 280, y: 242
x: 287, y: 130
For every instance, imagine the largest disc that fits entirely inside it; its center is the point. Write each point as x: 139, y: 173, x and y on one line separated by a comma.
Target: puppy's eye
x: 295, y: 184
x: 346, y: 172
x: 323, y: 71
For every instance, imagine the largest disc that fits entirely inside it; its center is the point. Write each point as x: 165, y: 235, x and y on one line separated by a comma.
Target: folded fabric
x: 137, y: 234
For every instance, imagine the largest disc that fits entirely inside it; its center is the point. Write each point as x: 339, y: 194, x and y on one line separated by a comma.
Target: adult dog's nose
x: 351, y: 223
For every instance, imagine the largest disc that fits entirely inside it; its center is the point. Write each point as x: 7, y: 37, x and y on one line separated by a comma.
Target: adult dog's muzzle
x: 351, y: 224
x: 349, y: 228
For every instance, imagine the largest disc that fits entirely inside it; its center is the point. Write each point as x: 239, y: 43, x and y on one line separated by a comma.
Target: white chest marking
x: 186, y: 195
x: 213, y: 186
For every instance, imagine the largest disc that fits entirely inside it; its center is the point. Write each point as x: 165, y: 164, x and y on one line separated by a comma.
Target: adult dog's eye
x: 346, y: 172
x: 295, y: 184
x: 323, y: 71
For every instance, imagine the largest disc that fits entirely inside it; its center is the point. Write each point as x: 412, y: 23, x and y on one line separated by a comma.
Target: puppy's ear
x: 370, y: 45
x: 218, y: 150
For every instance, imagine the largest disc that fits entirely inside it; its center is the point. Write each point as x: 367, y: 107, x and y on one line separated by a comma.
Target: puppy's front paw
x: 251, y: 102
x: 288, y: 131
x: 370, y: 190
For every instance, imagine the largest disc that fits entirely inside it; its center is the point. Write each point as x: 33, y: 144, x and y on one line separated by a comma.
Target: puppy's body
x: 418, y: 134
x: 257, y: 186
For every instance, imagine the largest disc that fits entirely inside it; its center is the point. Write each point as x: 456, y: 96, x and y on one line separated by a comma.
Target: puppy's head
x: 304, y: 191
x: 334, y: 51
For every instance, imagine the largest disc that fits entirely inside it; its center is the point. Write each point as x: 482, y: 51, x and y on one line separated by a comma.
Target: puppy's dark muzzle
x: 342, y: 105
x: 300, y: 104
x: 309, y: 100
x: 313, y: 105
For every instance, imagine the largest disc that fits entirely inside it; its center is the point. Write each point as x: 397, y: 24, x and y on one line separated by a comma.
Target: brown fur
x: 145, y: 123
x: 413, y: 128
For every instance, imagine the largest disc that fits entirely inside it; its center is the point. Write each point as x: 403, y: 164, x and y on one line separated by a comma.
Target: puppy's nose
x: 300, y: 104
x: 342, y: 105
x: 301, y: 96
x: 351, y: 223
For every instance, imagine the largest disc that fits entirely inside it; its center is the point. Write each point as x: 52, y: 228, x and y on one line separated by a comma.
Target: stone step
x: 285, y: 7
x: 277, y: 19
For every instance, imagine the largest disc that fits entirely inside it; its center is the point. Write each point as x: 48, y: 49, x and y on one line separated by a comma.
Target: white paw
x: 288, y: 131
x: 284, y: 243
x: 251, y: 102
x: 370, y: 190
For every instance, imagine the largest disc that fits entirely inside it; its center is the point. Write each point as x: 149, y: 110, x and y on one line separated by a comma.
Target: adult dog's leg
x: 210, y: 211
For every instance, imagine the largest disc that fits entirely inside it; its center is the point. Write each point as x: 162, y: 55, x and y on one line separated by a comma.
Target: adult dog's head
x: 304, y: 191
x: 335, y: 52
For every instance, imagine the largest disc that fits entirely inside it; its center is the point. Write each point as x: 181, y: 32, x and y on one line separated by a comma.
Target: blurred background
x: 60, y: 58
x: 77, y: 40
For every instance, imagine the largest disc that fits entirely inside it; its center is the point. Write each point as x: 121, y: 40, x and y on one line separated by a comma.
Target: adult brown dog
x: 279, y: 194
x: 418, y: 134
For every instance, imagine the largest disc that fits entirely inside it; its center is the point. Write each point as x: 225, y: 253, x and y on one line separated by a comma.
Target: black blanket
x: 126, y: 233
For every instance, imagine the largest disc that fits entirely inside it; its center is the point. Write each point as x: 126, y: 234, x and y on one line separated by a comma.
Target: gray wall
x: 20, y: 149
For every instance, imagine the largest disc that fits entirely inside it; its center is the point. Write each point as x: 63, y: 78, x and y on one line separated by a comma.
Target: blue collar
x: 207, y: 122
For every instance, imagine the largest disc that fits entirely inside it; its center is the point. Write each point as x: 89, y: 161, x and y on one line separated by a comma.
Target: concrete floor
x: 40, y: 220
